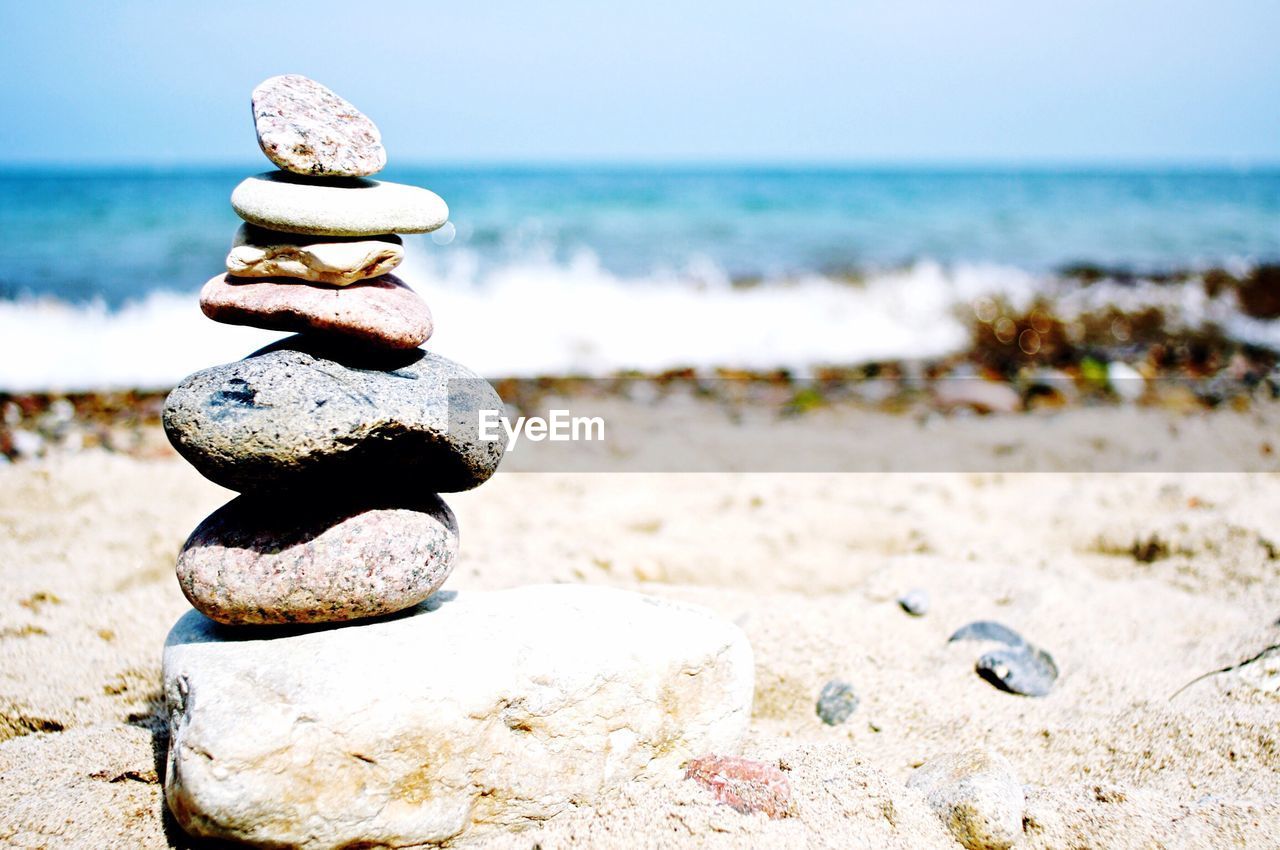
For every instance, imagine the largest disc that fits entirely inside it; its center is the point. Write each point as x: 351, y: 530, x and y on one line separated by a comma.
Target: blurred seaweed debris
x: 1054, y: 352
x: 1148, y: 352
x: 36, y: 424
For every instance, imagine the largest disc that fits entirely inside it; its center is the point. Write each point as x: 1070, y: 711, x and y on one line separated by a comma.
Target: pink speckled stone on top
x: 305, y: 128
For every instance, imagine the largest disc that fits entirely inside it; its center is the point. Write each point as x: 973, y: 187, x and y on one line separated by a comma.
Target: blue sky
x: 892, y: 81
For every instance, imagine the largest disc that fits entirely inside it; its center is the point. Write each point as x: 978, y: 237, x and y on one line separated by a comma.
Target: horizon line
x: 1064, y: 164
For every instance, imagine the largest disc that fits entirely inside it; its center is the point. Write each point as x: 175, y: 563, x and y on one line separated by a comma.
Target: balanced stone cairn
x: 323, y: 694
x: 337, y: 438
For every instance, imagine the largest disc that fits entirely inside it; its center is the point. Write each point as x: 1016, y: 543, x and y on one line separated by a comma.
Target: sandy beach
x: 1137, y: 583
x: 605, y: 427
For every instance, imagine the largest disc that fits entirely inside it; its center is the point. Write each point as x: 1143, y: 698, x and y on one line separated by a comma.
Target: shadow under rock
x: 156, y: 722
x: 333, y: 180
x: 194, y: 627
x: 348, y: 353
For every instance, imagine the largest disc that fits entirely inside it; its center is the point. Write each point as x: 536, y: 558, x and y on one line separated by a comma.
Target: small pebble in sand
x: 1125, y: 381
x: 977, y: 796
x: 746, y: 785
x: 915, y: 602
x: 1018, y: 667
x: 1021, y: 670
x: 836, y: 702
x: 988, y: 630
x: 977, y: 395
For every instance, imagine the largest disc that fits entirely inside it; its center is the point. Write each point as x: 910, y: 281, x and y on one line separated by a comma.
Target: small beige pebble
x: 976, y: 394
x: 977, y: 795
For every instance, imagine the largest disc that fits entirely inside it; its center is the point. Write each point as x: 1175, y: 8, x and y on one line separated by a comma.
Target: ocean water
x: 591, y: 270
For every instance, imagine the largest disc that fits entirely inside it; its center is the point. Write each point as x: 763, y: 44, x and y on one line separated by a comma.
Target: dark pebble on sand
x: 988, y: 630
x: 1021, y: 670
x: 915, y: 602
x: 836, y: 702
x: 1017, y: 667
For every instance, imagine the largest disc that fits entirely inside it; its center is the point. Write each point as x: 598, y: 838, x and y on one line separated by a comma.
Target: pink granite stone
x: 305, y: 128
x: 380, y: 312
x: 746, y: 785
x: 257, y: 560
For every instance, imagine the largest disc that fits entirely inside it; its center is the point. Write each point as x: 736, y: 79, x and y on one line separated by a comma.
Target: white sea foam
x: 538, y: 317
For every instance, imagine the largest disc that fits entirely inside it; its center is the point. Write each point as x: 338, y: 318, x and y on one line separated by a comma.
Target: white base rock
x: 485, y: 709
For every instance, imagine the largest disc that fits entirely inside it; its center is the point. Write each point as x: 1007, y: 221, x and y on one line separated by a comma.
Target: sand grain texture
x: 1136, y: 584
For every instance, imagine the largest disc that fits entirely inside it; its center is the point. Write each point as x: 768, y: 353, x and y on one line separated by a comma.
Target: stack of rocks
x: 338, y: 437
x: 322, y: 694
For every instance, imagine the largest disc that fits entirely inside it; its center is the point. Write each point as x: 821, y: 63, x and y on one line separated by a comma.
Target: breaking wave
x: 539, y: 317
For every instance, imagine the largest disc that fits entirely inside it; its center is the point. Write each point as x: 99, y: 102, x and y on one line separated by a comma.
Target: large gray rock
x: 382, y: 312
x: 304, y: 127
x: 335, y: 260
x: 356, y: 206
x: 493, y: 710
x: 977, y: 796
x: 305, y: 415
x: 317, y: 560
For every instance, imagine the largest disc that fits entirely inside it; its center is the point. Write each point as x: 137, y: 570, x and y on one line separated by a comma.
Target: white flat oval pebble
x: 337, y: 207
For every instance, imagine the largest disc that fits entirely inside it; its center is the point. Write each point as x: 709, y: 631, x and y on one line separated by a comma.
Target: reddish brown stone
x: 746, y: 785
x: 381, y: 311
